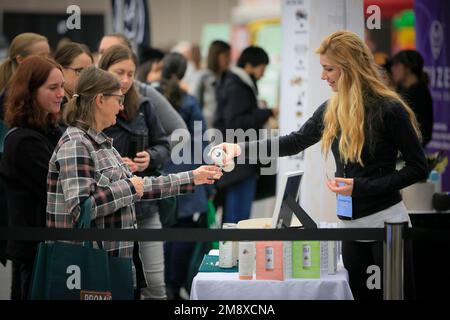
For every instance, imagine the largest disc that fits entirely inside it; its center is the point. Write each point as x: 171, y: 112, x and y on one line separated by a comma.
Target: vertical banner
x: 294, y: 73
x: 433, y: 42
x: 131, y: 18
x: 304, y: 24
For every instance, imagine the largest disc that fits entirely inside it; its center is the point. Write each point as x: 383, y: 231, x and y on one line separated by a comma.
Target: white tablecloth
x: 227, y: 286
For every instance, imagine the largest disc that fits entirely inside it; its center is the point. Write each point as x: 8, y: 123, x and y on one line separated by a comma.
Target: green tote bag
x: 65, y: 271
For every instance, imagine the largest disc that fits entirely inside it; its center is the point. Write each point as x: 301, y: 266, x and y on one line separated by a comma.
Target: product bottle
x: 234, y: 244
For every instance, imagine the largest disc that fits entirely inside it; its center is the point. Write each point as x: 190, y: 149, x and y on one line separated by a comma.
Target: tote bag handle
x: 84, y: 220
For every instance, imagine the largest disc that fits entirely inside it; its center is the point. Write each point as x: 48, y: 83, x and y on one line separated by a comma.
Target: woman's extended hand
x: 232, y: 150
x: 345, y: 189
x: 207, y: 174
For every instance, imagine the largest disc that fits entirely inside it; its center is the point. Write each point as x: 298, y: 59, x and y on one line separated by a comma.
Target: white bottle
x: 246, y: 260
x: 234, y: 244
x: 218, y: 156
x: 226, y: 254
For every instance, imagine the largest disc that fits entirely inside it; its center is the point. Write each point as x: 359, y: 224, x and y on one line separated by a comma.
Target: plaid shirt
x: 85, y: 164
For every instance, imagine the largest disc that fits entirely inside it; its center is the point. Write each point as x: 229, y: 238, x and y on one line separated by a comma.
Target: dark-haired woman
x: 219, y: 58
x: 73, y: 57
x: 412, y: 85
x: 35, y: 94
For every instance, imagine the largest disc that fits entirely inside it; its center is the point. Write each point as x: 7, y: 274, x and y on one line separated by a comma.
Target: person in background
x: 74, y: 58
x: 62, y: 42
x: 35, y: 94
x: 22, y: 46
x: 149, y: 72
x: 366, y: 125
x: 412, y: 84
x: 85, y: 165
x: 170, y: 119
x: 191, y: 209
x: 219, y: 58
x: 138, y: 121
x: 237, y: 108
x: 193, y: 57
x: 386, y: 74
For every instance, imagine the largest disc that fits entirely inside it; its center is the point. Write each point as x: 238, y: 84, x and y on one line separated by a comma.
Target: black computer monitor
x: 287, y: 203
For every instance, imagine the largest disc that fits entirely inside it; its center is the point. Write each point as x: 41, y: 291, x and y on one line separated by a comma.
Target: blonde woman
x: 22, y: 46
x: 365, y: 124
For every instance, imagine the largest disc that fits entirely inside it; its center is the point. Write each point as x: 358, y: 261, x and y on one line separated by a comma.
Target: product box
x: 273, y: 260
x: 328, y: 252
x: 332, y: 257
x: 306, y: 259
x: 246, y: 264
x: 328, y: 257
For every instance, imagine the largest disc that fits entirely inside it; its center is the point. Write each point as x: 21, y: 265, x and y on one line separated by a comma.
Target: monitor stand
x: 288, y: 206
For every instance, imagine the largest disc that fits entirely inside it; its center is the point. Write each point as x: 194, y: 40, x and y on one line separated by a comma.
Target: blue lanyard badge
x: 344, y: 205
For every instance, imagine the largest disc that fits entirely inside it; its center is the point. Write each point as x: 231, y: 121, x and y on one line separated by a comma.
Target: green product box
x: 306, y: 259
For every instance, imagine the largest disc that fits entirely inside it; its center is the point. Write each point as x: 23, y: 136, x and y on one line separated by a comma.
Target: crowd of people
x: 116, y: 115
x: 98, y: 126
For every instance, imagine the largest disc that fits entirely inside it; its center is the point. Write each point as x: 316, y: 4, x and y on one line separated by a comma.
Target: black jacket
x: 377, y: 183
x: 237, y: 108
x: 24, y: 169
x: 147, y: 123
x: 419, y: 99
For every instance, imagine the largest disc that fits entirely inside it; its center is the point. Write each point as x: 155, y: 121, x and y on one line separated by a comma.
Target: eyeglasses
x: 121, y: 97
x: 76, y: 70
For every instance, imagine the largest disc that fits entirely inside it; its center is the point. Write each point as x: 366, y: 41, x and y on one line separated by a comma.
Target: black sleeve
x: 32, y: 158
x: 159, y: 147
x: 427, y: 123
x: 310, y: 133
x: 406, y: 141
x: 239, y: 111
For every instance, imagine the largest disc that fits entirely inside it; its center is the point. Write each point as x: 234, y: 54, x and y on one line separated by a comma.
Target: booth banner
x: 433, y: 42
x: 294, y: 72
x: 135, y: 22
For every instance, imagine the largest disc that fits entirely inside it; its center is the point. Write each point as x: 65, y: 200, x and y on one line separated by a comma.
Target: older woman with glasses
x: 144, y: 146
x: 85, y: 165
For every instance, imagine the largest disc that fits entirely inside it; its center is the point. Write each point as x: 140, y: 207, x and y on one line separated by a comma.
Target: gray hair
x: 81, y: 106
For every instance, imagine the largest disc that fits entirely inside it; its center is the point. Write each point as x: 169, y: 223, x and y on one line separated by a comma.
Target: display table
x: 227, y: 286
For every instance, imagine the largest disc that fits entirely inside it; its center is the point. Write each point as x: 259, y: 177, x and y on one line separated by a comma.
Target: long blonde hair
x: 345, y: 114
x: 20, y: 46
